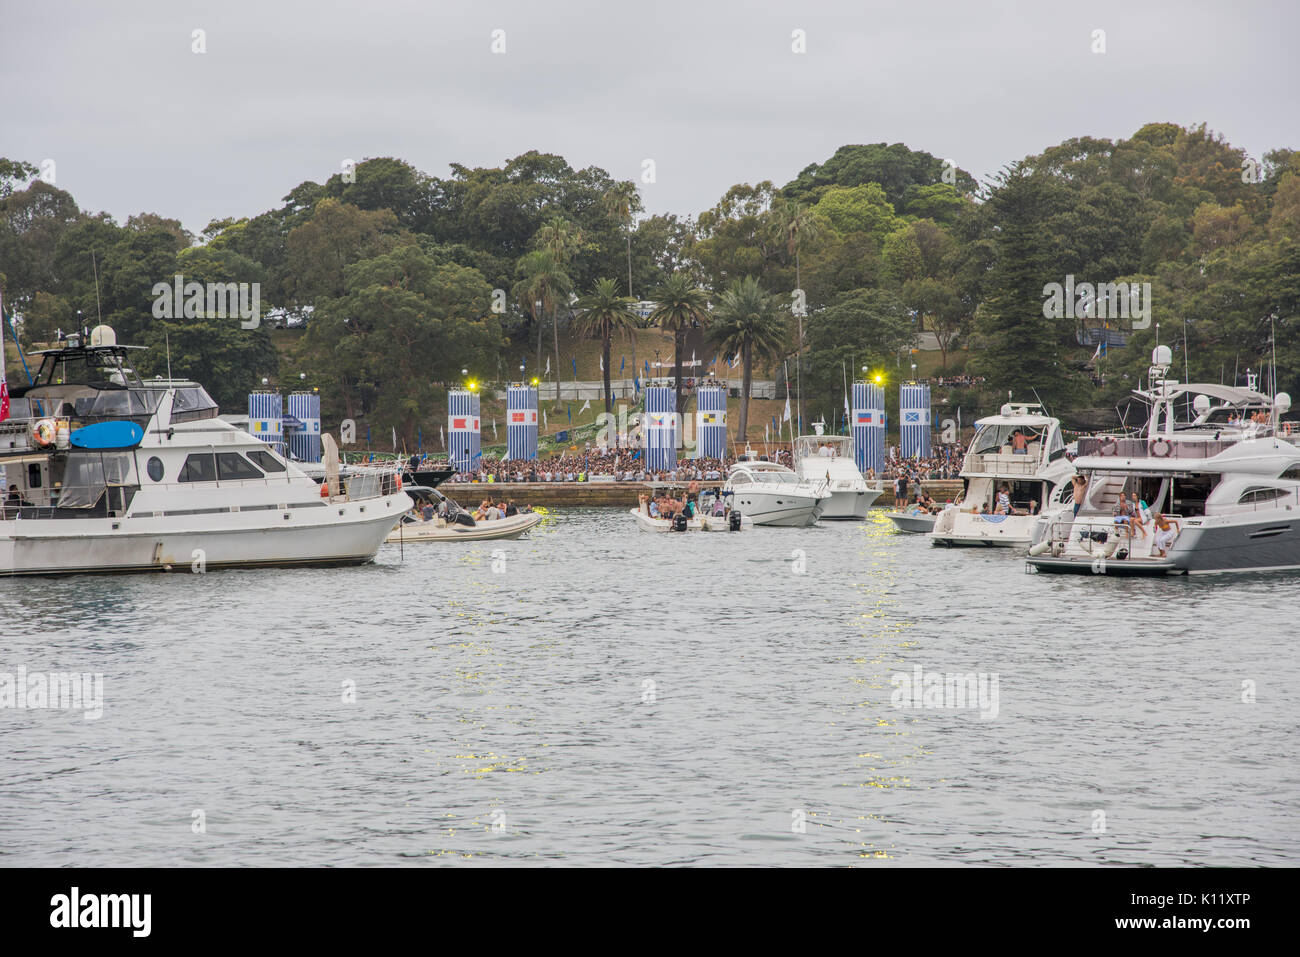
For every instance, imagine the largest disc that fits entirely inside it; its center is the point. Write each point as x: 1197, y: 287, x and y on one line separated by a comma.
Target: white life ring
x: 1108, y: 446
x: 1160, y: 448
x: 43, y: 432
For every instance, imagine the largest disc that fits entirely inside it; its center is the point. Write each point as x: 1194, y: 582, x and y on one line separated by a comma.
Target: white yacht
x: 1227, y: 484
x: 106, y: 472
x: 1018, y: 454
x: 771, y: 494
x: 826, y: 462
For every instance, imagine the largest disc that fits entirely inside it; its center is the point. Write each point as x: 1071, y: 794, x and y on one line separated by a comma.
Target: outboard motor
x: 465, y: 518
x: 733, y: 520
x: 679, y: 522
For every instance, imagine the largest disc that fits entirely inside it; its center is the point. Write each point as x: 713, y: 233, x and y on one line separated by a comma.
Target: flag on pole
x: 602, y: 363
x: 442, y: 437
x: 569, y: 411
x: 585, y: 406
x: 394, y: 439
x: 766, y: 440
x: 785, y: 417
x: 4, y: 381
x: 545, y: 425
x: 548, y: 366
x: 494, y: 427
x: 622, y: 364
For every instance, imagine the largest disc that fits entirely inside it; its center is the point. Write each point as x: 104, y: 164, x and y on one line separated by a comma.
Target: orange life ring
x: 43, y: 432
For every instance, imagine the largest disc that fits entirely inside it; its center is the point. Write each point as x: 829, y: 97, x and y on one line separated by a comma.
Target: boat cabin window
x: 232, y: 466
x: 34, y: 475
x: 267, y: 461
x: 1187, y: 495
x: 993, y: 439
x: 192, y: 403
x: 1056, y: 446
x: 199, y: 467
x: 155, y: 468
x: 1292, y: 473
x: 1258, y: 495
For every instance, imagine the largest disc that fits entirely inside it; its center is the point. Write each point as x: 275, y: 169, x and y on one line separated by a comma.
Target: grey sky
x: 711, y: 91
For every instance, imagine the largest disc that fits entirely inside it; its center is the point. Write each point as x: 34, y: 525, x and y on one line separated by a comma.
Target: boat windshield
x: 92, y: 367
x: 997, y: 438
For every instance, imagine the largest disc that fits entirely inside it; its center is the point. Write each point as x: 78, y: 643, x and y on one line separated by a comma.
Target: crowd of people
x: 630, y: 465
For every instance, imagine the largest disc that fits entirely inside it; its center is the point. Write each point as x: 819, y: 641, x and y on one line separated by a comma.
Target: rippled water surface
x: 599, y: 695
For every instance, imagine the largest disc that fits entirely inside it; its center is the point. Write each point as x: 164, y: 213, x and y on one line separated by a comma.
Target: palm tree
x: 543, y: 285
x: 621, y: 202
x: 603, y: 313
x: 680, y: 305
x: 751, y: 323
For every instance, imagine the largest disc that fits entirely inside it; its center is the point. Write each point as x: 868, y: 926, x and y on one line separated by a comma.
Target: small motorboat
x: 912, y: 521
x: 452, y: 523
x: 713, y: 515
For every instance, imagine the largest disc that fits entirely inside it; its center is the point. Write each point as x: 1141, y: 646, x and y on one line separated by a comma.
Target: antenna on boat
x: 99, y: 313
x: 168, y: 342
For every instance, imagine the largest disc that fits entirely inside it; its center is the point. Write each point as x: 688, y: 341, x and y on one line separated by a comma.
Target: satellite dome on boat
x: 1201, y: 404
x: 103, y: 335
x: 1282, y: 402
x: 1162, y: 356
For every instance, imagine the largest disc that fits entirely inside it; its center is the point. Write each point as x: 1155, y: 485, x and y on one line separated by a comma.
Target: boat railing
x: 1094, y: 531
x: 998, y: 464
x: 1160, y: 447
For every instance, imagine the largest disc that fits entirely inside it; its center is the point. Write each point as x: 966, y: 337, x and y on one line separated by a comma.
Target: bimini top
x: 1233, y: 395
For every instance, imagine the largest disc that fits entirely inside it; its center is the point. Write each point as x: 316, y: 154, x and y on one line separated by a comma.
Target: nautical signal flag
x: 708, y: 418
x: 865, y: 418
x: 523, y: 416
x: 912, y: 418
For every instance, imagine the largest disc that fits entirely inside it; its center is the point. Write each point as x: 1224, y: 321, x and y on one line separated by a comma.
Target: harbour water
x: 596, y: 695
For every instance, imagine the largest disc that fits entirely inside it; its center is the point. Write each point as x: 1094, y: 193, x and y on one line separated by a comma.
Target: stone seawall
x: 617, y: 494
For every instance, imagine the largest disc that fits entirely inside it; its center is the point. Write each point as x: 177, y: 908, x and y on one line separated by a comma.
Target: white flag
x: 846, y: 407
x: 766, y: 434
x: 585, y: 406
x: 494, y: 428
x: 548, y: 366
x: 602, y: 363
x: 394, y: 439
x: 786, y: 415
x: 442, y: 437
x: 545, y: 424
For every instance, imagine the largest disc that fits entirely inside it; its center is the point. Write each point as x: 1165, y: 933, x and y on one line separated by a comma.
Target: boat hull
x: 908, y: 522
x: 210, y: 541
x: 501, y: 529
x: 702, y: 523
x: 780, y: 510
x: 849, y: 505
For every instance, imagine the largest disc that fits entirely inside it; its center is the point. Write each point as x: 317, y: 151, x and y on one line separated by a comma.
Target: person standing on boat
x: 1165, y: 531
x: 1080, y: 484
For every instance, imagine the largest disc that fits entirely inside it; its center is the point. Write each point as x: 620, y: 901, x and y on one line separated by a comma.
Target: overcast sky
x: 710, y: 90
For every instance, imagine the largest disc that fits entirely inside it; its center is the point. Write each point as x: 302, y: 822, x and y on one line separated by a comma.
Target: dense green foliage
x: 407, y: 278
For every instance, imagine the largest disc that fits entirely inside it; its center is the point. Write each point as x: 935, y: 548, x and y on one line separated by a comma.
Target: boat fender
x: 1040, y: 548
x: 1058, y: 549
x: 1110, y: 548
x: 325, y: 490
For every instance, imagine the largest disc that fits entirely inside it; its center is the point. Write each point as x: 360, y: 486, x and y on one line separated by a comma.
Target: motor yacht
x: 826, y: 462
x: 108, y: 472
x: 1225, y: 485
x: 1015, y: 471
x: 771, y: 494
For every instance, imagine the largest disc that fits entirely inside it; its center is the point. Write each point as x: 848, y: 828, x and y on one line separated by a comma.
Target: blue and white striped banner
x: 660, y: 428
x: 266, y: 418
x: 867, y: 426
x: 914, y: 421
x: 463, y: 430
x: 711, y: 422
x: 304, y: 443
x: 521, y: 422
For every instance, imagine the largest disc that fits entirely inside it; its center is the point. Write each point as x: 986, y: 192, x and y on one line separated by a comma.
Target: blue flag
x: 622, y: 363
